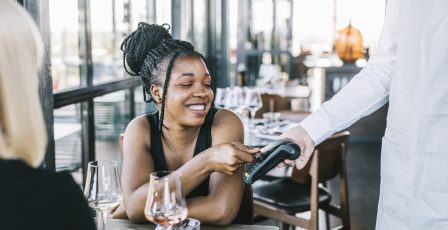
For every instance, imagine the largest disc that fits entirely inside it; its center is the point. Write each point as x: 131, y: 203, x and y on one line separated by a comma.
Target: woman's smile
x: 198, y: 109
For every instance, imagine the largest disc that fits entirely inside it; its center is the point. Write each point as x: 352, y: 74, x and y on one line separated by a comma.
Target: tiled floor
x: 363, y: 182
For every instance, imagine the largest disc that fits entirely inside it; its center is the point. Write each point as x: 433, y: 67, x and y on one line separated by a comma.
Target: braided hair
x: 150, y: 52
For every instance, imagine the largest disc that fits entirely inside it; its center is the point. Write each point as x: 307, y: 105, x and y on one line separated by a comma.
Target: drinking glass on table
x: 233, y: 98
x: 165, y: 204
x: 220, y: 97
x: 102, y: 189
x: 253, y: 101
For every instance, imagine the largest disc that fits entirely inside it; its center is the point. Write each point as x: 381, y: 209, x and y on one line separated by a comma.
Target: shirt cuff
x: 317, y: 127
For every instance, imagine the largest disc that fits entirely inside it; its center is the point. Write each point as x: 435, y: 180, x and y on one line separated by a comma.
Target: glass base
x: 187, y: 224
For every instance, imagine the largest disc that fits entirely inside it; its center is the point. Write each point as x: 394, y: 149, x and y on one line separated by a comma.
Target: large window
x: 110, y: 22
x: 163, y: 11
x: 93, y: 97
x: 199, y: 21
x: 67, y: 137
x: 65, y: 60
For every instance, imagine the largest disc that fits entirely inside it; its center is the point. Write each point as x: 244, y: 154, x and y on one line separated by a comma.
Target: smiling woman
x: 186, y: 134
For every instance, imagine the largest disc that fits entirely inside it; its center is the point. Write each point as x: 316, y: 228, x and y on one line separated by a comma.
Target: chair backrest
x: 331, y: 159
x: 277, y: 102
x: 327, y: 162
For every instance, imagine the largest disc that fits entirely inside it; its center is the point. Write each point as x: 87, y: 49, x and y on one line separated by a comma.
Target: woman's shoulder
x: 46, y: 193
x: 141, y: 121
x: 225, y: 116
x: 139, y: 125
x: 137, y: 135
x: 227, y: 125
x: 43, y: 181
x: 16, y: 174
x: 49, y: 186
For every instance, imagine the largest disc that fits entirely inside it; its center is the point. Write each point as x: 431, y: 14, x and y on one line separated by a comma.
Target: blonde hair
x: 22, y: 128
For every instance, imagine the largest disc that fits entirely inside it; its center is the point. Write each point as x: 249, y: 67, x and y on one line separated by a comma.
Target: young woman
x: 186, y: 134
x: 30, y: 198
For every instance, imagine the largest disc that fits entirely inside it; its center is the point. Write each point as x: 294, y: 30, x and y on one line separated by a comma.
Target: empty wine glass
x: 220, y: 97
x: 165, y: 204
x: 102, y: 189
x: 231, y: 98
x: 234, y: 99
x: 253, y: 101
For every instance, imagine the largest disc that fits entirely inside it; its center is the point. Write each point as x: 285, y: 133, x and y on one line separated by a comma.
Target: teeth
x: 196, y: 107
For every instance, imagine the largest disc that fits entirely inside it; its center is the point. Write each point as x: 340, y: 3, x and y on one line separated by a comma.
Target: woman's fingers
x: 244, y: 153
x: 245, y: 148
x: 119, y: 212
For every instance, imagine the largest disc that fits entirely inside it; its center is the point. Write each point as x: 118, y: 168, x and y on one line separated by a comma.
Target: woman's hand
x: 118, y: 212
x: 229, y: 157
x: 306, y: 144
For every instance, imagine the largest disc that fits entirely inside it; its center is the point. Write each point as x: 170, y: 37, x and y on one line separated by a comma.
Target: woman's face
x: 189, y: 94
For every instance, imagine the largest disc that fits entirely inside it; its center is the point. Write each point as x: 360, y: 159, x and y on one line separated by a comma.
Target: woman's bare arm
x: 221, y: 206
x: 137, y: 165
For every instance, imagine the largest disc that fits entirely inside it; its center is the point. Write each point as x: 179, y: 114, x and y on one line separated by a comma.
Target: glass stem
x: 101, y: 220
x: 252, y: 117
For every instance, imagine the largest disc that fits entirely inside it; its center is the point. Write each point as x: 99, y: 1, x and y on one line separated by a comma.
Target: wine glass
x: 234, y: 99
x: 165, y: 204
x: 220, y: 97
x: 253, y: 101
x: 102, y: 189
x: 231, y: 98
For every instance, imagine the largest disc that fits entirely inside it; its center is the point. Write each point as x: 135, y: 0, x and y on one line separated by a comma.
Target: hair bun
x: 137, y: 45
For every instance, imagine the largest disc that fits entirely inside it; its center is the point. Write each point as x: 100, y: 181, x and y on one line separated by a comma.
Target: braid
x: 165, y: 87
x: 137, y: 45
x: 137, y: 48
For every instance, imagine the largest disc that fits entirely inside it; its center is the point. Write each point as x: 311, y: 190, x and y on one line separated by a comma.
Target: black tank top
x: 204, y: 142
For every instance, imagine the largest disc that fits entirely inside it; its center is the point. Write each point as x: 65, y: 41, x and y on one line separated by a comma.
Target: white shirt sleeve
x: 366, y: 92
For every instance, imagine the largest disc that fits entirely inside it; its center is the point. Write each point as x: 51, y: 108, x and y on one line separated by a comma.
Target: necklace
x: 186, y: 150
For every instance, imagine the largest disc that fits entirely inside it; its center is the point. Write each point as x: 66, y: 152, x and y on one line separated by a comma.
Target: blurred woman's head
x: 173, y: 73
x: 22, y: 129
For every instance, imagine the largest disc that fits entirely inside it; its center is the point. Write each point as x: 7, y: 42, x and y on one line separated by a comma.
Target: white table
x: 126, y: 225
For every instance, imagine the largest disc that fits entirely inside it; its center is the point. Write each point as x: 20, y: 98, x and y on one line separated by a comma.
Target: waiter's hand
x: 303, y: 139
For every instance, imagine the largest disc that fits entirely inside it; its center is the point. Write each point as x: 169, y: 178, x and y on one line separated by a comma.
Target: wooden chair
x: 246, y: 212
x: 281, y: 199
x: 278, y: 103
x: 272, y: 103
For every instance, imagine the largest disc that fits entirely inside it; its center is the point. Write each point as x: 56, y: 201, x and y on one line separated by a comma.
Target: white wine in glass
x: 102, y: 189
x: 165, y: 204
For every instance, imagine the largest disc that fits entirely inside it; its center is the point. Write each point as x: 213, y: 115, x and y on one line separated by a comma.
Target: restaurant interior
x: 294, y: 54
